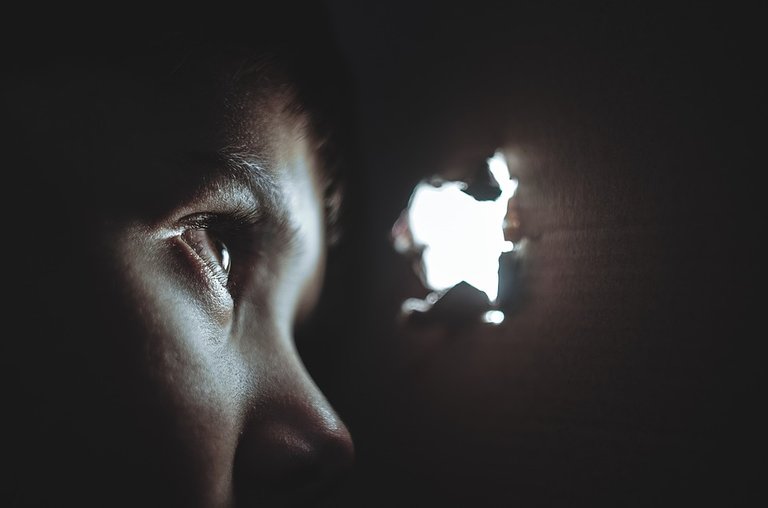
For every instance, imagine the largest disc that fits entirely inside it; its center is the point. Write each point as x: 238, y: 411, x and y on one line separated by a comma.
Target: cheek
x: 186, y: 317
x: 189, y: 383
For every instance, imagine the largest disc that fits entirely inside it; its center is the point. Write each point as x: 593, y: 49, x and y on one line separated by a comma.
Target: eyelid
x: 205, y: 249
x: 233, y: 220
x: 213, y: 278
x: 221, y: 194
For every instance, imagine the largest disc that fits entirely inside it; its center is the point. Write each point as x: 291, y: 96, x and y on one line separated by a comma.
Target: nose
x: 294, y: 448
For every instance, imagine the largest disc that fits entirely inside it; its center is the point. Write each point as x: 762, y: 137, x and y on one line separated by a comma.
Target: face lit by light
x: 461, y: 237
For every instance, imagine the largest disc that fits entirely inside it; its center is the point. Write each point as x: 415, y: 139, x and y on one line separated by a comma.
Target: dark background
x: 626, y: 379
x: 621, y: 381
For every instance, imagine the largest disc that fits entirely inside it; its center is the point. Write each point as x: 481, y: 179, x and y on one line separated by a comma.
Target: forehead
x: 140, y: 131
x: 213, y: 98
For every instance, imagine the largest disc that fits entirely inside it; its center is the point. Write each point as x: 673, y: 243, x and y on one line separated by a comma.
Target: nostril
x: 286, y: 464
x: 321, y: 472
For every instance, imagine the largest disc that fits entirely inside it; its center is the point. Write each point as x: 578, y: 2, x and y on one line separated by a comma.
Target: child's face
x: 188, y: 389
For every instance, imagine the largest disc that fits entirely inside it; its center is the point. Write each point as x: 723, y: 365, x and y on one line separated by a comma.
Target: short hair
x: 290, y: 45
x: 286, y: 47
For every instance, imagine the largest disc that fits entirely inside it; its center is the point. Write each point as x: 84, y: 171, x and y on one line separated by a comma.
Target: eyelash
x: 218, y: 269
x: 230, y: 231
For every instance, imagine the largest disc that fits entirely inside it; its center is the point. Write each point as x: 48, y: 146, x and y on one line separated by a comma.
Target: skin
x: 167, y: 380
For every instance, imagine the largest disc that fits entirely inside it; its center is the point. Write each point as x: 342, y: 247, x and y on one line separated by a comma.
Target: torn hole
x: 463, y: 238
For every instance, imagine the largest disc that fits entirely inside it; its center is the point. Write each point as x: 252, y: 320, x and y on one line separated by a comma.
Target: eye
x: 211, y: 250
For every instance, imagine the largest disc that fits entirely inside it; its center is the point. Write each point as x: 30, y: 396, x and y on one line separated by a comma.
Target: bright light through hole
x: 494, y: 317
x: 462, y: 238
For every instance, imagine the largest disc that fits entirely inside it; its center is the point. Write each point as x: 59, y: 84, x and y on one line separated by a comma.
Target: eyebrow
x: 250, y: 177
x: 250, y: 171
x: 213, y: 171
x: 244, y: 185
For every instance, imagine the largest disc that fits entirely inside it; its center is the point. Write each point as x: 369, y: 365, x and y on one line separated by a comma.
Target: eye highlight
x: 212, y: 251
x: 225, y: 259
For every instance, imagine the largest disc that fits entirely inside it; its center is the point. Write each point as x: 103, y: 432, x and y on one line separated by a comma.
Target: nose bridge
x: 293, y: 443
